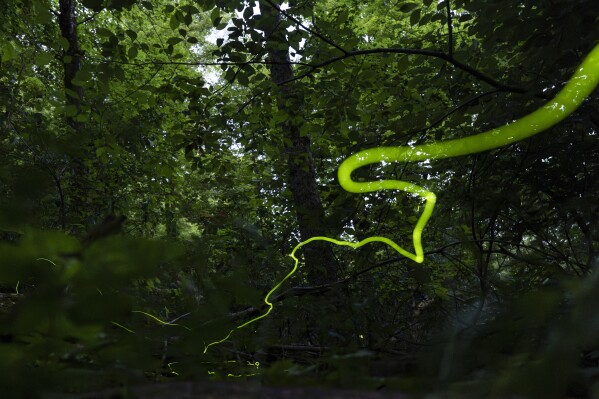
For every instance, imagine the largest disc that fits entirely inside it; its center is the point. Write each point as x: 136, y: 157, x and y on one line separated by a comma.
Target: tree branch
x: 88, y: 18
x: 320, y: 289
x: 318, y: 35
x: 428, y: 53
x: 349, y: 54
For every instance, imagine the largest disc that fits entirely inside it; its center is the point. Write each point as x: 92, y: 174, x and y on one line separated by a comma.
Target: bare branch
x: 88, y: 18
x: 428, y: 53
x: 314, y: 67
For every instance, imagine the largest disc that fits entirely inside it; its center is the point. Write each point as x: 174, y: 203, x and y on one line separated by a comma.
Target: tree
x: 302, y: 175
x: 217, y: 127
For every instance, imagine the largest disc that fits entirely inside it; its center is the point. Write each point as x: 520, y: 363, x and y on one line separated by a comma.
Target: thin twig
x: 88, y: 18
x: 409, y: 51
x: 428, y: 53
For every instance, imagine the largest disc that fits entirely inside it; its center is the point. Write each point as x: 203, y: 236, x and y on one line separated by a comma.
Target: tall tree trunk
x: 67, y: 20
x: 76, y: 207
x: 319, y: 259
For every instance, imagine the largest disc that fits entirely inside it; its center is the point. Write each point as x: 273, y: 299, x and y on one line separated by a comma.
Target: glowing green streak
x: 19, y: 281
x: 48, y: 260
x: 123, y: 327
x: 170, y: 367
x: 580, y: 86
x: 164, y: 323
x: 269, y: 304
x: 151, y: 316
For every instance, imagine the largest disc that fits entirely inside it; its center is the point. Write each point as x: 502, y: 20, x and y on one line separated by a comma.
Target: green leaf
x: 415, y: 17
x: 169, y: 8
x: 43, y: 59
x: 165, y: 170
x: 180, y: 16
x: 42, y: 13
x: 81, y: 118
x: 243, y: 79
x: 8, y: 52
x: 281, y: 116
x: 465, y: 17
x: 174, y: 22
x: 132, y: 53
x: 439, y: 17
x: 425, y: 19
x: 104, y: 32
x: 72, y: 93
x: 132, y: 34
x: 215, y: 17
x: 192, y: 40
x: 174, y: 40
x: 82, y: 76
x: 403, y: 63
x: 407, y: 7
x: 190, y: 9
x: 442, y: 292
x: 95, y: 5
x: 183, y: 32
x: 248, y: 13
x: 122, y: 4
x: 214, y: 14
x: 230, y: 75
x: 63, y: 43
x: 248, y: 69
x: 70, y: 110
x: 147, y: 5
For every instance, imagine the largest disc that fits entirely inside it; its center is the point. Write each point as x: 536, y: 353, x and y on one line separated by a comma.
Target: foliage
x: 181, y: 128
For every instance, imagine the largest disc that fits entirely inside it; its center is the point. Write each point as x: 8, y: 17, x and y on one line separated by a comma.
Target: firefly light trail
x: 580, y: 86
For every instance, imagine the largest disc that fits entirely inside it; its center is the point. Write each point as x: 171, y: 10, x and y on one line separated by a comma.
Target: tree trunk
x: 319, y: 259
x: 67, y: 21
x: 78, y: 204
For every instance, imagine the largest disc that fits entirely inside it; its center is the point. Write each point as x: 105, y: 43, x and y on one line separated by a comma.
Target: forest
x: 299, y: 199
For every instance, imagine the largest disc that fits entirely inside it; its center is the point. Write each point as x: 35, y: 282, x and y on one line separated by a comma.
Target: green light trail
x: 578, y: 88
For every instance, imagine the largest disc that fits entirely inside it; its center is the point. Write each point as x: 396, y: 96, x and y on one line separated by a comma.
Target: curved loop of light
x: 578, y: 88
